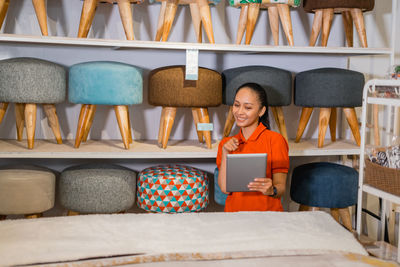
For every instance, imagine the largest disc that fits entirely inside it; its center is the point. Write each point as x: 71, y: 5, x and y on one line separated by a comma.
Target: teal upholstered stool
x: 325, y: 185
x: 105, y: 83
x: 219, y: 196
x: 28, y: 82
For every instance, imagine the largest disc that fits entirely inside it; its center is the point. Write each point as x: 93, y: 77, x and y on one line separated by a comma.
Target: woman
x: 250, y: 110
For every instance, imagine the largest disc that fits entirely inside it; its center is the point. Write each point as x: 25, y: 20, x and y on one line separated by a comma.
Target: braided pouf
x: 172, y: 189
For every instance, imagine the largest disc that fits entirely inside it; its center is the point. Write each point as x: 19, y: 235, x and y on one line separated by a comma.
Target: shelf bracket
x: 192, y: 64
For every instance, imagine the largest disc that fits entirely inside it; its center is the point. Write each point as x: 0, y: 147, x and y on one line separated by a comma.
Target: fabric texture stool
x: 97, y: 188
x: 105, y: 83
x: 169, y: 89
x: 125, y: 11
x: 26, y: 189
x: 328, y: 88
x: 277, y: 9
x: 40, y: 10
x: 277, y: 83
x: 351, y: 10
x: 325, y: 185
x: 172, y: 189
x: 219, y: 196
x: 27, y: 82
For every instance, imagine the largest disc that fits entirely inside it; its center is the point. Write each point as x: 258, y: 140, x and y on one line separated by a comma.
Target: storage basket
x: 383, y: 178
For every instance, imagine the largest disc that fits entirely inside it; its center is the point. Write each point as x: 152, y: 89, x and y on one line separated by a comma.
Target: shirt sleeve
x: 280, y: 155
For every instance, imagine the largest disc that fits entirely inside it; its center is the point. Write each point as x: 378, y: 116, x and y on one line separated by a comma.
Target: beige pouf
x: 28, y: 190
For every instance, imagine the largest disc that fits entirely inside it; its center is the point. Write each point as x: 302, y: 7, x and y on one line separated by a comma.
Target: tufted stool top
x: 265, y: 3
x: 105, y: 83
x: 97, y: 188
x: 168, y: 87
x: 364, y: 5
x: 329, y: 87
x: 277, y: 83
x: 26, y: 189
x: 324, y: 184
x: 186, y: 2
x: 32, y: 80
x: 172, y: 188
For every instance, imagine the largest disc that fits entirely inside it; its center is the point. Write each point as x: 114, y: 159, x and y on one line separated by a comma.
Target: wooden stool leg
x: 169, y: 16
x: 72, y: 213
x: 50, y: 110
x: 275, y: 114
x: 169, y: 118
x: 130, y: 128
x: 335, y: 214
x: 40, y: 9
x: 196, y: 121
x: 196, y: 19
x: 205, y: 15
x: 91, y: 110
x: 33, y: 216
x: 284, y: 15
x: 281, y: 122
x: 3, y: 217
x: 83, y: 120
x: 358, y: 19
x: 273, y: 16
x: 304, y: 118
x: 327, y: 18
x: 87, y: 15
x: 19, y: 119
x: 353, y: 122
x: 346, y: 219
x: 122, y: 117
x: 348, y: 27
x: 160, y: 23
x: 3, y: 10
x: 307, y: 208
x: 230, y: 120
x: 332, y: 124
x: 242, y: 23
x: 30, y: 120
x: 125, y: 11
x: 324, y: 115
x: 252, y: 15
x: 316, y: 27
x: 161, y: 128
x: 205, y: 118
x: 3, y: 109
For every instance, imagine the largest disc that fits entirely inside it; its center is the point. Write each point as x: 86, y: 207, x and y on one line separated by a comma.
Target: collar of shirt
x: 254, y: 136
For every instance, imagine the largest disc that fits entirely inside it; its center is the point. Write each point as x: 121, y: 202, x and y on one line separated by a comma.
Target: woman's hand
x: 231, y: 145
x: 263, y: 185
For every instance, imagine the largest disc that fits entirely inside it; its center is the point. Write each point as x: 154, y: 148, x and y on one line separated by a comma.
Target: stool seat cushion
x: 219, y: 196
x: 26, y: 190
x: 32, y: 80
x: 97, y: 188
x: 186, y: 2
x: 329, y: 87
x: 168, y: 87
x: 324, y: 184
x: 172, y: 189
x: 105, y: 83
x: 265, y: 3
x: 311, y: 5
x: 277, y: 83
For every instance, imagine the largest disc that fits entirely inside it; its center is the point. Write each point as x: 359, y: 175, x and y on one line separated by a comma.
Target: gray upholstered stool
x: 97, y: 188
x: 328, y: 88
x: 277, y: 83
x: 28, y: 190
x: 27, y: 82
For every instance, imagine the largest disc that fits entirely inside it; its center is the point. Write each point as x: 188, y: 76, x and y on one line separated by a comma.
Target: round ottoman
x: 327, y: 185
x: 104, y: 83
x: 172, y: 189
x: 169, y: 89
x: 328, y: 88
x: 219, y: 196
x: 27, y: 82
x: 97, y: 188
x: 277, y: 83
x: 25, y: 189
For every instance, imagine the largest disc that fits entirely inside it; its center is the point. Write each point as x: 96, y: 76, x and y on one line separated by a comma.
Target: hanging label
x: 192, y: 64
x: 205, y: 126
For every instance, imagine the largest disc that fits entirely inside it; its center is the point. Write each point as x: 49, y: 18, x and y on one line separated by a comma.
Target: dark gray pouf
x: 277, y: 83
x: 97, y: 188
x: 32, y: 80
x: 329, y: 87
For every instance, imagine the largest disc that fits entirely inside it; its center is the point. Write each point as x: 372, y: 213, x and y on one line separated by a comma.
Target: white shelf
x: 380, y: 193
x: 126, y: 44
x: 149, y: 149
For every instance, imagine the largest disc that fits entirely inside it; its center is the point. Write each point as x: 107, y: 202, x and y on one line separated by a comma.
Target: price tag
x: 205, y: 126
x: 192, y: 64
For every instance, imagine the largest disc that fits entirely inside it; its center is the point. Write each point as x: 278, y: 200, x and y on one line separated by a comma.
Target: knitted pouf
x: 172, y: 189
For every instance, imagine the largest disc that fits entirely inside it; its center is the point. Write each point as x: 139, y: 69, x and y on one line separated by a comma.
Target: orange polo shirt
x: 261, y: 141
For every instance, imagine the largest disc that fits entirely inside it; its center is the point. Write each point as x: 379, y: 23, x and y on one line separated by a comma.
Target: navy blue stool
x: 325, y: 185
x: 219, y: 196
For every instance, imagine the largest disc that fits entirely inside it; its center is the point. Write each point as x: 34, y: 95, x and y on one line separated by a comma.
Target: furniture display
x: 28, y: 82
x: 172, y: 189
x: 26, y: 189
x: 105, y: 83
x: 277, y: 83
x: 96, y: 188
x: 328, y: 89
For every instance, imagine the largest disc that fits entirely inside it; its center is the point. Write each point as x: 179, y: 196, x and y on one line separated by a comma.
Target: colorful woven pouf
x: 172, y: 189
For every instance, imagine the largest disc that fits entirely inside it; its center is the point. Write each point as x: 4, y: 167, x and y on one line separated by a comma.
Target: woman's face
x: 247, y: 108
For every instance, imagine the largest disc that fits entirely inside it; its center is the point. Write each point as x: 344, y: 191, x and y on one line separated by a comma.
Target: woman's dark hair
x: 262, y: 97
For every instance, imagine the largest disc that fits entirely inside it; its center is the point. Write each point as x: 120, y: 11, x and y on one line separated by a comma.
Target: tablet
x: 241, y: 169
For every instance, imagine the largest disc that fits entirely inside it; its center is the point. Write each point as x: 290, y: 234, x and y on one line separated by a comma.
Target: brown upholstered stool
x: 169, y: 89
x: 351, y: 10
